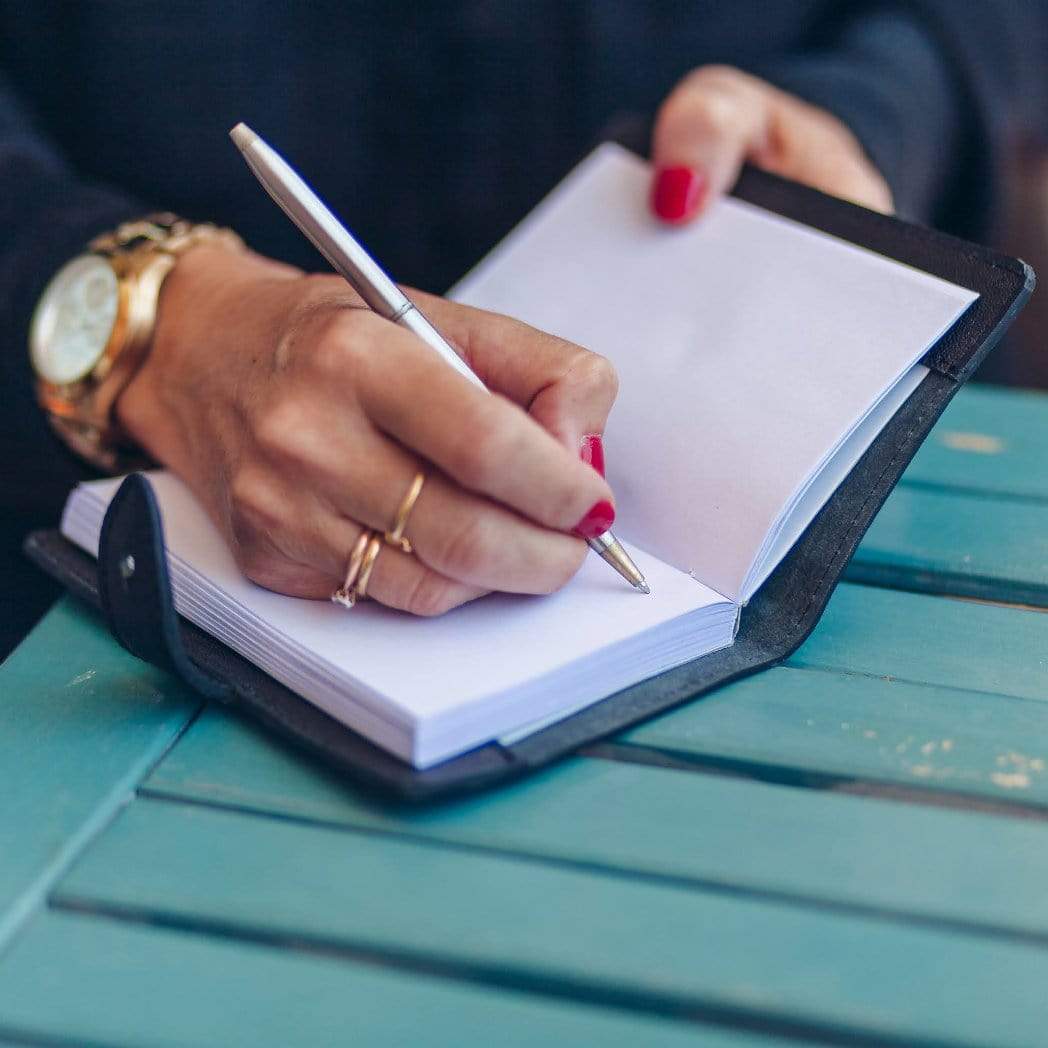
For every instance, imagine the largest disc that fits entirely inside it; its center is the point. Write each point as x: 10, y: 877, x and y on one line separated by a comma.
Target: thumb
x: 704, y: 131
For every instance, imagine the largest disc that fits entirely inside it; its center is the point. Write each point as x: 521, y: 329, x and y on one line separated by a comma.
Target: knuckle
x: 430, y: 595
x: 713, y: 112
x: 467, y: 552
x: 341, y: 342
x: 597, y: 375
x: 279, y: 427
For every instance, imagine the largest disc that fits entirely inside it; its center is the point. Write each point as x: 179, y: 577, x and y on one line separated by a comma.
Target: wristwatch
x: 93, y: 325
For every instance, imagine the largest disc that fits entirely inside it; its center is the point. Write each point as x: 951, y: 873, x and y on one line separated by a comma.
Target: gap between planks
x: 620, y: 998
x: 805, y: 779
x: 894, y: 915
x: 122, y: 793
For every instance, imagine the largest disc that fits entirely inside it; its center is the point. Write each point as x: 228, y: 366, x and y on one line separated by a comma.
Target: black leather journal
x: 130, y: 581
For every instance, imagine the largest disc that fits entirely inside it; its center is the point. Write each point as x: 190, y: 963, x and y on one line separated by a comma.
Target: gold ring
x: 345, y: 594
x: 395, y: 535
x: 367, y: 564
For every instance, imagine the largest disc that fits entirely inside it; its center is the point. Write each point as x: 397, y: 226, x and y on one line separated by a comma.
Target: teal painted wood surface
x: 970, y: 516
x: 956, y: 644
x: 860, y: 729
x: 81, y: 980
x: 638, y: 942
x: 991, y: 440
x: 709, y: 829
x: 942, y: 541
x: 891, y: 687
x: 80, y: 722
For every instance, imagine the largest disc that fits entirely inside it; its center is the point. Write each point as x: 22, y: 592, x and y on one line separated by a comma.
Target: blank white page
x: 748, y: 347
x: 429, y: 688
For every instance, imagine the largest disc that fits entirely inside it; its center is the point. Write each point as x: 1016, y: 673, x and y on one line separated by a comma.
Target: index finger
x: 568, y: 390
x: 482, y: 441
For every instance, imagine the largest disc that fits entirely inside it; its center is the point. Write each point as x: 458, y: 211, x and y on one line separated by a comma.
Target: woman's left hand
x: 717, y: 117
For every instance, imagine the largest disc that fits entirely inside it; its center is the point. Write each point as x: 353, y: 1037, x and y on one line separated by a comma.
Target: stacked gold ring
x: 347, y: 594
x: 395, y: 535
x: 369, y: 545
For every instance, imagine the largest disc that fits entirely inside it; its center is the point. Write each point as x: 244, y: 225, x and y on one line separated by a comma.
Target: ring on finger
x: 395, y: 535
x: 346, y: 593
x: 367, y: 565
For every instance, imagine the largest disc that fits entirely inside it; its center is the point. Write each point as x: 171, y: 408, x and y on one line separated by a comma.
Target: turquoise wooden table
x: 850, y: 848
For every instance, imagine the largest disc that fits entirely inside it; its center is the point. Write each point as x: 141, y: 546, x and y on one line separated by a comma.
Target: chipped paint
x: 979, y: 443
x: 81, y: 678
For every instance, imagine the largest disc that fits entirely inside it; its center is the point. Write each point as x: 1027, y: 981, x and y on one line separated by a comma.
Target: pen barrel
x: 325, y: 232
x: 416, y: 323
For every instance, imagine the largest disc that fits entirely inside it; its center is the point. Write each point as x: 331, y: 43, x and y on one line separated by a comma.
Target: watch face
x: 74, y: 320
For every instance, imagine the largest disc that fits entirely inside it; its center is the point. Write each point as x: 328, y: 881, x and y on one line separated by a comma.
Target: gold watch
x: 94, y: 323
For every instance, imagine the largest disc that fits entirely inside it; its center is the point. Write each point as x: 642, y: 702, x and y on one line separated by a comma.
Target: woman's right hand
x: 299, y: 417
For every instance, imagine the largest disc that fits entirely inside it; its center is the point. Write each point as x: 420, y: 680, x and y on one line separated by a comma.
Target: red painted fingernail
x: 677, y: 193
x: 599, y: 519
x: 592, y: 452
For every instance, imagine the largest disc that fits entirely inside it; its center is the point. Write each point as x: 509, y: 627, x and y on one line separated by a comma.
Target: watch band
x: 161, y: 231
x: 143, y: 251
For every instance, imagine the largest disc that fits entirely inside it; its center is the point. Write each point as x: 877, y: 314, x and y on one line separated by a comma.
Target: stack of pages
x: 758, y: 359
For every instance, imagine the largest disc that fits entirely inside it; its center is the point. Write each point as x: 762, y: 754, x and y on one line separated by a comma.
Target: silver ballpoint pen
x: 371, y: 282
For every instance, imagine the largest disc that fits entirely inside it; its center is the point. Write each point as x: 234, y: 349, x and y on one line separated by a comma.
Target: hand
x: 718, y: 117
x: 299, y: 417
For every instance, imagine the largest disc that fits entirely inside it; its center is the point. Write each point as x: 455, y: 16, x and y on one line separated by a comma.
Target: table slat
x: 942, y: 541
x: 990, y: 439
x: 928, y: 640
x: 633, y: 818
x: 893, y: 688
x: 865, y: 730
x: 642, y: 943
x: 80, y: 722
x: 82, y: 979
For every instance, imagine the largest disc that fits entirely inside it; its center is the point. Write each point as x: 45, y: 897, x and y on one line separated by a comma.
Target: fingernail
x: 592, y: 452
x: 677, y: 193
x: 599, y: 519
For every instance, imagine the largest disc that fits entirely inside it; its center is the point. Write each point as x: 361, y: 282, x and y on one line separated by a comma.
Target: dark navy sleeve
x: 47, y: 215
x: 935, y: 90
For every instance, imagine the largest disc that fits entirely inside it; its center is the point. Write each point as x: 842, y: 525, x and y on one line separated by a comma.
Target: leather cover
x: 138, y: 603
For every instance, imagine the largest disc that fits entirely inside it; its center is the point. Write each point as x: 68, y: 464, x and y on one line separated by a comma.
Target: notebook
x: 758, y: 359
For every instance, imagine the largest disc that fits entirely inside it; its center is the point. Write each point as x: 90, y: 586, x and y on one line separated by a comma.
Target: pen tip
x: 242, y: 136
x: 643, y: 587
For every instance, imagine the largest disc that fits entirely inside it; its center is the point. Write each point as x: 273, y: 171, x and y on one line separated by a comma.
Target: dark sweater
x: 432, y: 128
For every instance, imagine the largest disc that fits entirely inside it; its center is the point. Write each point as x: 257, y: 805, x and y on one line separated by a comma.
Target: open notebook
x: 758, y: 360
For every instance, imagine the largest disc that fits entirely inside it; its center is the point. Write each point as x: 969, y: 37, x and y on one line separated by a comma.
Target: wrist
x: 209, y: 290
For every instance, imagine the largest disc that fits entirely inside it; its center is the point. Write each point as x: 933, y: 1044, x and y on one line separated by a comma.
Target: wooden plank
x: 710, y: 830
x: 81, y: 980
x: 865, y: 729
x: 641, y: 943
x: 942, y: 541
x: 956, y: 644
x: 990, y: 439
x: 80, y: 722
x: 924, y: 692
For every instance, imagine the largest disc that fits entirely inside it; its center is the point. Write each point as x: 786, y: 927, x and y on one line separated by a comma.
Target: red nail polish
x: 677, y: 193
x: 592, y: 452
x: 599, y: 519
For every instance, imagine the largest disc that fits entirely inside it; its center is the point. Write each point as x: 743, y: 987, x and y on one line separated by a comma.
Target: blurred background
x: 1022, y: 229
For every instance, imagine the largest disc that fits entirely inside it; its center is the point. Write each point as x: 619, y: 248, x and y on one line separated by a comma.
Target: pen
x: 371, y: 282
